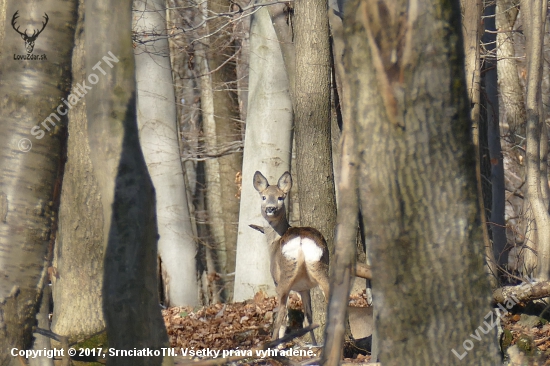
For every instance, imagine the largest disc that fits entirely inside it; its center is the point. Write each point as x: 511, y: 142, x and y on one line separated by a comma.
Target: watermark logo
x: 25, y: 145
x: 29, y: 39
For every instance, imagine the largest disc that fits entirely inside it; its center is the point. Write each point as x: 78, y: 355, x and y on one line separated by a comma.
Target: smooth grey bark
x: 156, y: 112
x: 30, y: 158
x: 267, y: 148
x: 416, y: 181
x: 78, y: 252
x: 497, y: 223
x: 130, y: 293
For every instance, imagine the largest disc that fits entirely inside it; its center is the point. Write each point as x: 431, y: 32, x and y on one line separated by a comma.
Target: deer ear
x: 260, y: 182
x: 285, y: 182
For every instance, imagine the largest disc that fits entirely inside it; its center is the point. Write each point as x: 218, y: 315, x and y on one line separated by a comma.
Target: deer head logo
x: 29, y: 40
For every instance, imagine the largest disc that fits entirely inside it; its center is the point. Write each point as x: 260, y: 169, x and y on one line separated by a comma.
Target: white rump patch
x: 292, y: 248
x: 312, y: 252
x: 308, y: 247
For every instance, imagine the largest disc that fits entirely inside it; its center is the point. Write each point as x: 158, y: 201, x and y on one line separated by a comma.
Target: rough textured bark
x: 312, y: 128
x: 78, y: 252
x: 159, y: 141
x: 267, y: 148
x: 497, y: 223
x: 416, y: 180
x: 130, y: 295
x: 534, y: 18
x: 30, y: 156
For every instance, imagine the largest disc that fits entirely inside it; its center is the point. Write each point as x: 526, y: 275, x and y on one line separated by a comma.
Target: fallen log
x: 522, y: 293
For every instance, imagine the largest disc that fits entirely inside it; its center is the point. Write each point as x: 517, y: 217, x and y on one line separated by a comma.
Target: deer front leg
x: 279, y: 328
x: 306, y: 302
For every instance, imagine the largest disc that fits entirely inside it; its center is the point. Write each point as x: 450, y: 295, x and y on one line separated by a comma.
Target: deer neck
x: 277, y: 227
x: 280, y: 226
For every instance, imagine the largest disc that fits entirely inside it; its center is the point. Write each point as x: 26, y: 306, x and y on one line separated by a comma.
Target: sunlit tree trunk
x: 30, y: 156
x: 78, y: 253
x: 267, y: 149
x: 156, y: 114
x: 510, y: 89
x: 534, y: 18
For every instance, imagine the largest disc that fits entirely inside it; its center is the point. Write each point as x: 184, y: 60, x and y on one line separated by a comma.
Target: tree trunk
x: 498, y: 225
x: 212, y: 184
x: 511, y: 93
x: 512, y: 122
x: 159, y: 141
x: 281, y: 17
x: 242, y: 35
x: 32, y: 133
x: 130, y: 295
x: 415, y: 163
x: 312, y: 128
x: 471, y: 32
x: 78, y: 253
x: 267, y: 148
x: 228, y: 131
x: 534, y: 18
x: 343, y: 260
x: 180, y: 15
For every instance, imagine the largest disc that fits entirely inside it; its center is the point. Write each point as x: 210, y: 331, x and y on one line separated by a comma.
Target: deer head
x: 273, y: 198
x: 29, y: 40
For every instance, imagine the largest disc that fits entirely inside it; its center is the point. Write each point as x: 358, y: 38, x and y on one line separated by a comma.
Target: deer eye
x: 264, y: 197
x: 281, y: 198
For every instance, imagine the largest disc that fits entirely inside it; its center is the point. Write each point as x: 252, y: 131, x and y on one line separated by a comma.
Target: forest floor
x: 240, y: 330
x: 238, y: 327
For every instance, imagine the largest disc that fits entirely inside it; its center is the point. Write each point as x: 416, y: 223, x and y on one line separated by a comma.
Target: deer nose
x: 270, y: 210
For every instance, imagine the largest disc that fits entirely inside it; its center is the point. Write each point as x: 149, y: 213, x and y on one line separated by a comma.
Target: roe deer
x: 298, y: 255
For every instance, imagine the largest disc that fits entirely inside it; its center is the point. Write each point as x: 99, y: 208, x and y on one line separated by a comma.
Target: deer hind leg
x: 279, y: 327
x: 306, y: 302
x: 319, y: 272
